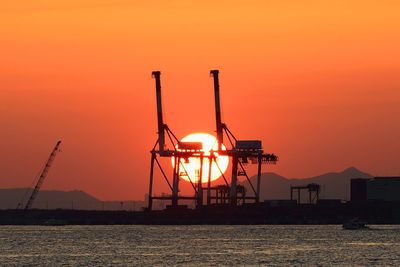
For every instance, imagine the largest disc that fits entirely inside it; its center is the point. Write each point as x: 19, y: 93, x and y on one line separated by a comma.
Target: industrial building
x: 378, y: 188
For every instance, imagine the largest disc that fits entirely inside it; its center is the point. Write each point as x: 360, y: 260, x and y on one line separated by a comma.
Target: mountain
x: 334, y: 185
x: 53, y: 199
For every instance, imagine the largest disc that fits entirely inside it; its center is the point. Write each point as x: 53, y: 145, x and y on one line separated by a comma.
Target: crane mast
x: 42, y: 176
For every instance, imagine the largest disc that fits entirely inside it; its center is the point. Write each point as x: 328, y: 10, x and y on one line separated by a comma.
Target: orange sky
x: 318, y: 83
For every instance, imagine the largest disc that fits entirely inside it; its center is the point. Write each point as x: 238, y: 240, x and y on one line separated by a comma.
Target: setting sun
x: 191, y: 167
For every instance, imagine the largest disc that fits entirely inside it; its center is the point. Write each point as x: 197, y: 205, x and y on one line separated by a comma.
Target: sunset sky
x: 318, y: 82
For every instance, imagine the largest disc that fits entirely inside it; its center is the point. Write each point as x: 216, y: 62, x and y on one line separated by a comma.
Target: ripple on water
x: 198, y: 245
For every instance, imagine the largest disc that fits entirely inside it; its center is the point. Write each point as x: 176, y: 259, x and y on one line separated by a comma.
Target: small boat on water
x: 355, y: 224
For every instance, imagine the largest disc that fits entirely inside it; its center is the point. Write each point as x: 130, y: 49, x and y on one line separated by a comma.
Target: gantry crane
x: 42, y: 176
x: 241, y: 152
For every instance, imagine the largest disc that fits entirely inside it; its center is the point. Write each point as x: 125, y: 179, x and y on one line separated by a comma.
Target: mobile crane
x: 42, y: 176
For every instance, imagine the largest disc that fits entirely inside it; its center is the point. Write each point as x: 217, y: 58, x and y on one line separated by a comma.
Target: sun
x: 191, y: 168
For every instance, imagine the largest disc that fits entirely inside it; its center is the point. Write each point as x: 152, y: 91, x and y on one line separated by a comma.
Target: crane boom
x: 42, y: 176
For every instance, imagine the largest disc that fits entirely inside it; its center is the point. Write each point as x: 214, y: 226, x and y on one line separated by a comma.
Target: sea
x: 199, y: 245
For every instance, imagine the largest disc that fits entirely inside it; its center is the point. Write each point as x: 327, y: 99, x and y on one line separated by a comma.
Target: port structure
x: 169, y: 146
x: 241, y: 153
x: 42, y: 176
x: 313, y: 192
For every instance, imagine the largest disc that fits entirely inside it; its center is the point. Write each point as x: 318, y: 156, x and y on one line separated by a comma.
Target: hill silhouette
x: 334, y: 185
x: 55, y: 199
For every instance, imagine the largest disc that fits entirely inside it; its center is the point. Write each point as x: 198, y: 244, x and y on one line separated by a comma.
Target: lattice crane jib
x: 42, y: 176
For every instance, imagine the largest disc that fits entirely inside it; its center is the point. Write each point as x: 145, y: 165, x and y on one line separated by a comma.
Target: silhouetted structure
x: 179, y: 150
x: 313, y: 192
x: 358, y: 189
x: 241, y: 152
x: 378, y: 188
x: 41, y: 178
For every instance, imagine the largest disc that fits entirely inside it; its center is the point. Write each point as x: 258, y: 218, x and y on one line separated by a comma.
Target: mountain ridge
x: 59, y: 199
x: 334, y: 185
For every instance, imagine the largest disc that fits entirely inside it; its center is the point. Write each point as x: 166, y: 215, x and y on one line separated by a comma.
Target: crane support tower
x: 241, y: 152
x: 42, y: 176
x: 177, y: 150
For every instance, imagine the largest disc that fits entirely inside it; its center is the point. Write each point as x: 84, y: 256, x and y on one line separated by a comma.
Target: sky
x: 316, y: 81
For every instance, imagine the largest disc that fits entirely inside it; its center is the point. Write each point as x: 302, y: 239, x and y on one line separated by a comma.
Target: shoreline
x: 250, y: 214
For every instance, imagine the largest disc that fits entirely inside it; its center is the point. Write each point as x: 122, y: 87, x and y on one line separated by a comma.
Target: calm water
x: 197, y: 245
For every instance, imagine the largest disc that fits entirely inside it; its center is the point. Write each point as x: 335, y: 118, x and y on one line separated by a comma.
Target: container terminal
x: 375, y: 200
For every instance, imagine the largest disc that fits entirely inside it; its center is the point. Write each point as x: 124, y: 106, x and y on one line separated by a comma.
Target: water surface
x: 203, y: 245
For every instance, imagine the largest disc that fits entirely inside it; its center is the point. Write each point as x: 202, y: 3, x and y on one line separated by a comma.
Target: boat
x: 355, y: 224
